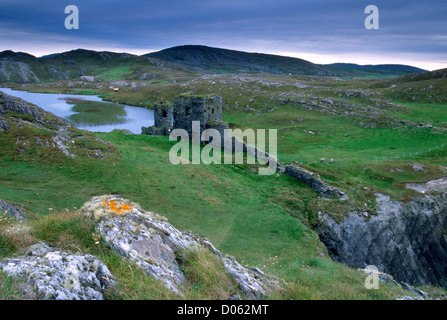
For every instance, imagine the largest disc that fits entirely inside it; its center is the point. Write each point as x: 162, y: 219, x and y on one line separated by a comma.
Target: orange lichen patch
x: 118, y: 207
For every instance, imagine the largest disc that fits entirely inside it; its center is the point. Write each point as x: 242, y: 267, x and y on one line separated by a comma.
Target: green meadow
x: 261, y: 220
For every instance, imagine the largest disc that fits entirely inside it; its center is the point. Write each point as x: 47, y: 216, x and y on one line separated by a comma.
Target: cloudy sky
x: 411, y: 32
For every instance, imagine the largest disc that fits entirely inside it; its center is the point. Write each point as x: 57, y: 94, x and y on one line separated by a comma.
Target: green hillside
x: 24, y: 68
x: 245, y: 215
x: 172, y: 65
x: 215, y: 60
x: 379, y: 140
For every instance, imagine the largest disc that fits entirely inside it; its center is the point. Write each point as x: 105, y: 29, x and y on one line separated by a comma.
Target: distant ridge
x: 387, y: 67
x: 19, y: 67
x: 215, y: 60
x: 180, y: 61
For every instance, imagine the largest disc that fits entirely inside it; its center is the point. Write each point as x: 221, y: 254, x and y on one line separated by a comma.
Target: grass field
x: 117, y: 73
x: 379, y: 158
x: 261, y: 220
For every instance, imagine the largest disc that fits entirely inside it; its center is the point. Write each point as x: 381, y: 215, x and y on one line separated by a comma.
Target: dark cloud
x: 312, y: 26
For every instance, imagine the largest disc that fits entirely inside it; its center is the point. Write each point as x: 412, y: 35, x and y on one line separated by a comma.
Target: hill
x: 18, y: 67
x: 428, y: 75
x: 260, y: 221
x: 381, y: 70
x: 272, y: 223
x: 173, y: 64
x: 215, y: 60
x: 426, y: 87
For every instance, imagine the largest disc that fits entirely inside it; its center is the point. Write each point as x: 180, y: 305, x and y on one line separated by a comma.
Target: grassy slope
x: 263, y: 221
x: 76, y: 63
x: 376, y: 71
x: 215, y: 60
x: 363, y: 156
x: 244, y: 214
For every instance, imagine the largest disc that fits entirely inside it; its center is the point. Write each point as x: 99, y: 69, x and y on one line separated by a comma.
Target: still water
x: 57, y: 104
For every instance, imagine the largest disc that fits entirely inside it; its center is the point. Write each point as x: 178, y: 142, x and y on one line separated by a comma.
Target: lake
x: 57, y: 104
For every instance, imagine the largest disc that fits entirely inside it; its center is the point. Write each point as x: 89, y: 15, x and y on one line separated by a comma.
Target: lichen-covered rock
x: 254, y: 283
x: 56, y: 275
x: 153, y: 243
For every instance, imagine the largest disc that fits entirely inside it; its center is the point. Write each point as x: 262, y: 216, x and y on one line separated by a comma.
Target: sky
x: 412, y: 32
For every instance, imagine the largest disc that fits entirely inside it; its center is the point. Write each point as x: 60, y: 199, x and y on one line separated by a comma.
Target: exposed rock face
x: 154, y: 244
x: 313, y: 181
x: 56, y: 275
x: 41, y: 116
x: 11, y: 210
x: 406, y: 240
x: 15, y: 71
x: 3, y: 125
x: 58, y: 136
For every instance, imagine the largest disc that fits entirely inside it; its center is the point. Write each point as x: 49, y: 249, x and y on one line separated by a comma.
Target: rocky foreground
x: 143, y: 237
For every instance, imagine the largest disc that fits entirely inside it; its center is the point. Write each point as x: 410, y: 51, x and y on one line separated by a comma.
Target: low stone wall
x: 312, y: 180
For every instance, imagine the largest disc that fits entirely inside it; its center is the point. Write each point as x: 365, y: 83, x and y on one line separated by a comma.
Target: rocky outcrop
x: 54, y: 133
x: 11, y: 210
x: 15, y: 71
x: 156, y: 246
x: 375, y: 275
x: 407, y: 240
x: 13, y: 104
x: 4, y: 125
x: 314, y: 182
x: 56, y: 275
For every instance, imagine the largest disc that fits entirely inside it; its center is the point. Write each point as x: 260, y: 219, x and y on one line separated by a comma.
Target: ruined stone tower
x: 162, y: 120
x: 207, y: 109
